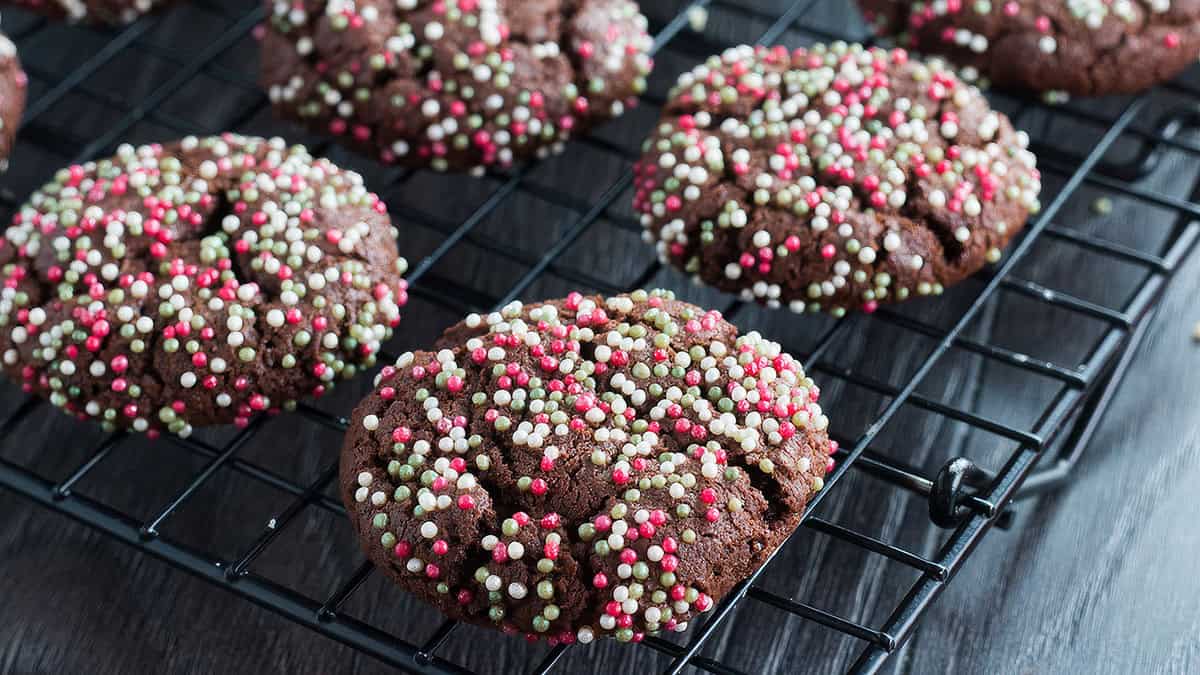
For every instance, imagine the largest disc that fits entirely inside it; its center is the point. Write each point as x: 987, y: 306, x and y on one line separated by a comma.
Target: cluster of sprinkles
x: 451, y: 84
x: 849, y: 148
x: 196, y: 283
x: 99, y: 11
x: 1002, y: 16
x: 654, y: 408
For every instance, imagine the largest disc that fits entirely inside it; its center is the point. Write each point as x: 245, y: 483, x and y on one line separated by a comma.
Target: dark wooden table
x: 1099, y: 577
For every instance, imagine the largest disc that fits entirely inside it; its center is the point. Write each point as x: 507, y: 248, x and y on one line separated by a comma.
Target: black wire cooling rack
x: 562, y: 223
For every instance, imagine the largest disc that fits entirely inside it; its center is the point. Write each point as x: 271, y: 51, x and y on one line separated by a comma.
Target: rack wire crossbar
x: 962, y: 497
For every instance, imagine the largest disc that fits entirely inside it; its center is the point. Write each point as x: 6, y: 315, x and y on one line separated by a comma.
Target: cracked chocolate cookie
x: 584, y: 467
x: 1090, y: 47
x: 13, y: 85
x: 112, y: 12
x: 454, y: 85
x: 196, y: 283
x: 831, y: 178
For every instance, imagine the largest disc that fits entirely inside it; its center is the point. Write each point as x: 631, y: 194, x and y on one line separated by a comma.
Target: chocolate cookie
x: 113, y: 12
x: 1087, y: 48
x: 832, y: 177
x: 196, y: 283
x: 584, y: 467
x: 454, y: 85
x: 13, y: 85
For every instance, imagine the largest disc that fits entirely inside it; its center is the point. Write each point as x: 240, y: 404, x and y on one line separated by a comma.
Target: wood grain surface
x: 1097, y: 578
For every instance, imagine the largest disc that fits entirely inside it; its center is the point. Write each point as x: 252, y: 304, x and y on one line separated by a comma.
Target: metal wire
x: 972, y: 499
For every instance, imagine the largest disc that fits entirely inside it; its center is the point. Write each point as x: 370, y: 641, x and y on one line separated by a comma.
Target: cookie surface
x: 455, y: 85
x: 831, y: 178
x: 584, y: 467
x: 13, y: 86
x: 112, y: 12
x: 1084, y: 48
x: 196, y: 283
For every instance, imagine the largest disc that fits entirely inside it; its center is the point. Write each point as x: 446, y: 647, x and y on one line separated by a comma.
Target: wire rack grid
x: 470, y: 256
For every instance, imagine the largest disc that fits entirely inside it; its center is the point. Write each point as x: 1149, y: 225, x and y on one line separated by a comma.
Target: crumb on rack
x: 1055, y: 97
